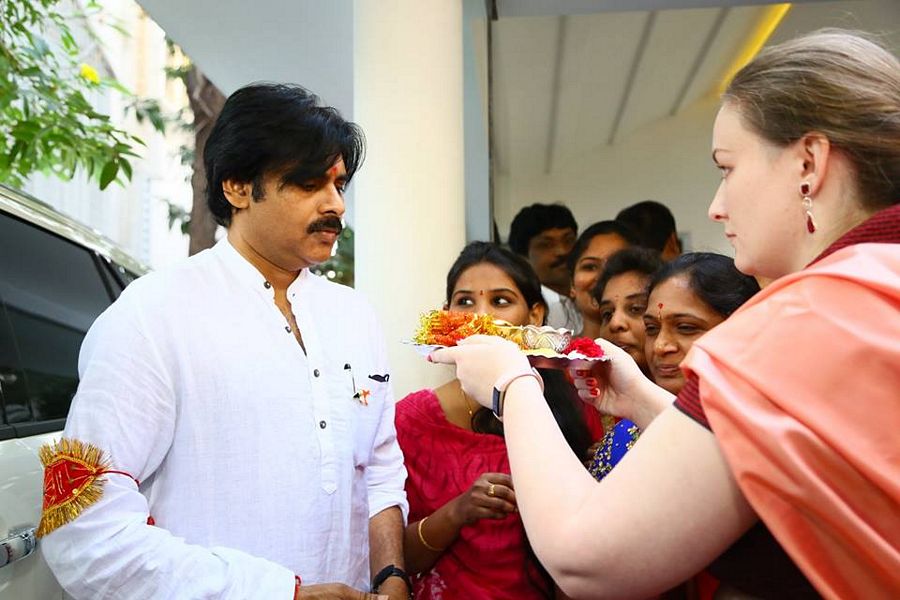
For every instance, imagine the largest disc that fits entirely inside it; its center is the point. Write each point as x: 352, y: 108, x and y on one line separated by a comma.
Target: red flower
x: 584, y: 346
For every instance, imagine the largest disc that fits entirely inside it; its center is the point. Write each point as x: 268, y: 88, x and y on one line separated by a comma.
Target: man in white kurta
x: 258, y: 458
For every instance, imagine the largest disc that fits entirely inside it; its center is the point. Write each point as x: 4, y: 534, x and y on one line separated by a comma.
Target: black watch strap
x: 391, y: 571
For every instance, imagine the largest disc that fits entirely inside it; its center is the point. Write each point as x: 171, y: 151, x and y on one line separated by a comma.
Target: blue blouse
x: 615, y: 443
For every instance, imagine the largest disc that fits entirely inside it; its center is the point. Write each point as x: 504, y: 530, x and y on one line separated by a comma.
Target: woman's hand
x: 480, y: 361
x: 618, y: 387
x: 490, y: 497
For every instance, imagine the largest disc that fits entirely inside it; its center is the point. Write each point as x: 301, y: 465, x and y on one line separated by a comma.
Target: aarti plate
x: 540, y: 358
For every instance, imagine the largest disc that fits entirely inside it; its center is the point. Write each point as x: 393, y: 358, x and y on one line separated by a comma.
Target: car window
x: 51, y: 292
x: 12, y: 388
x: 116, y: 276
x: 124, y: 274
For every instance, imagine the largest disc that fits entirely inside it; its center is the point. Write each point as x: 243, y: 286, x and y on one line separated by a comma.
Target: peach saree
x: 801, y: 387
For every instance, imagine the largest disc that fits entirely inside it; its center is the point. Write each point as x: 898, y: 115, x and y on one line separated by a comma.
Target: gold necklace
x: 468, y: 405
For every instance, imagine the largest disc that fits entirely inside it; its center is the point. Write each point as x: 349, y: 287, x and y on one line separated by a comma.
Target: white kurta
x: 255, y: 460
x: 561, y: 311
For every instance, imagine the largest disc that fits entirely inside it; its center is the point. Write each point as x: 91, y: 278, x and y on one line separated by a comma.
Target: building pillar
x: 409, y: 197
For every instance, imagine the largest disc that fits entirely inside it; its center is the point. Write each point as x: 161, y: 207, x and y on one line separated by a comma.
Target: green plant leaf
x: 108, y: 174
x: 125, y: 166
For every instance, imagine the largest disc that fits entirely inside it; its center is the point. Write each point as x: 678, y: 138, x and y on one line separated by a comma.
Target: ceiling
x: 533, y: 8
x: 565, y: 84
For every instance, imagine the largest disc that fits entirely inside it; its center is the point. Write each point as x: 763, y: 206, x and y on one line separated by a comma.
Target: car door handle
x: 20, y: 543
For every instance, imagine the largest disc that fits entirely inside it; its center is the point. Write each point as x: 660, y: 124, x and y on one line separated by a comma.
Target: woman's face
x: 622, y: 309
x: 588, y: 268
x: 485, y: 288
x: 674, y: 319
x: 758, y: 199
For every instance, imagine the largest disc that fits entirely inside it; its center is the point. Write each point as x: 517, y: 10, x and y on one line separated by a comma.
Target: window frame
x: 112, y: 284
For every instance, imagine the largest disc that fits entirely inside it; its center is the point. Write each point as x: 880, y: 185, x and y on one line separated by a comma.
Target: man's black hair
x: 275, y: 128
x: 651, y: 221
x: 600, y: 228
x: 536, y: 219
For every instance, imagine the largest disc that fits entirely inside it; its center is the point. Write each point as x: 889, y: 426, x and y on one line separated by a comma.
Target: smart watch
x: 392, y: 571
x: 503, y: 383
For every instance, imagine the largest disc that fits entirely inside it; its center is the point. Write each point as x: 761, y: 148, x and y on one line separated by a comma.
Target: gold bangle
x: 422, y: 537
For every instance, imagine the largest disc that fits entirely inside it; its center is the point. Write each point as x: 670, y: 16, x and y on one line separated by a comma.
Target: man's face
x: 547, y: 253
x: 295, y: 225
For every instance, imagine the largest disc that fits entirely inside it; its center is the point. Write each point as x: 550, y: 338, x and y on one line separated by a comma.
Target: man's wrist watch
x: 503, y: 382
x: 392, y: 571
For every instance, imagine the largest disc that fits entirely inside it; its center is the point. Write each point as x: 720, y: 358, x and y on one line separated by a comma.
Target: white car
x: 56, y: 277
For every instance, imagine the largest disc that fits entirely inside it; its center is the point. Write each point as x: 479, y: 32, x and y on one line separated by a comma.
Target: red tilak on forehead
x: 333, y: 171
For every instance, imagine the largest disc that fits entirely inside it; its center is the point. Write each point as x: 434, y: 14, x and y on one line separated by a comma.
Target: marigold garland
x: 446, y: 328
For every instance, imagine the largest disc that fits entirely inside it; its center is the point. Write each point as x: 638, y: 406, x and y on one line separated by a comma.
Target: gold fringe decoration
x: 72, y: 481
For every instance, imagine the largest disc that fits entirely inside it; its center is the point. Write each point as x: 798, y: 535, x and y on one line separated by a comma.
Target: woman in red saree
x: 465, y: 538
x: 791, y: 407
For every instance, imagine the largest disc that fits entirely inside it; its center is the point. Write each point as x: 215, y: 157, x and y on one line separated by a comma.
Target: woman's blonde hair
x: 837, y: 83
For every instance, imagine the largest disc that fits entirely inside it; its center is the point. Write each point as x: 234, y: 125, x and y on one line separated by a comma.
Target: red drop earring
x: 807, y: 206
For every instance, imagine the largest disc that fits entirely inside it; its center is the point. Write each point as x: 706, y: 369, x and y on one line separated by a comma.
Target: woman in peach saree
x: 791, y: 408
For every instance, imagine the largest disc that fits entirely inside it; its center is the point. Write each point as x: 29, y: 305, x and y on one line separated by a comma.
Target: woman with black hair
x: 682, y: 300
x: 586, y: 262
x: 620, y: 298
x: 465, y: 538
x: 688, y: 297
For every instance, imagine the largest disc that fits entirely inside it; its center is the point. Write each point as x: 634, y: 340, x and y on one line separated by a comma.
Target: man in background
x: 655, y: 227
x: 545, y: 234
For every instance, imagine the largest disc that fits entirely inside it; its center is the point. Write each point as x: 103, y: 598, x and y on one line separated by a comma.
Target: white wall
x: 668, y: 161
x: 408, y: 78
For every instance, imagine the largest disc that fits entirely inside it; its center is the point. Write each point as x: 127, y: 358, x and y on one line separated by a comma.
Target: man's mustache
x: 332, y: 224
x: 561, y: 262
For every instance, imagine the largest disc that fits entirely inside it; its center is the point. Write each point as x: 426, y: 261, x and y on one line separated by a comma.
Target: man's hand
x: 490, y: 497
x: 339, y: 591
x: 394, y: 588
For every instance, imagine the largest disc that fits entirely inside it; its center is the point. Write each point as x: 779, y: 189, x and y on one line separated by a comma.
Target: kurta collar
x: 244, y: 270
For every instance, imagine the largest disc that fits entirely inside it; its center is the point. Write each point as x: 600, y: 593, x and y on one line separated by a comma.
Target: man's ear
x: 238, y: 193
x: 672, y: 247
x: 537, y: 313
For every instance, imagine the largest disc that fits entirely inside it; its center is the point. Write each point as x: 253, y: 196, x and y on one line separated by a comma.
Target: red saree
x: 490, y: 559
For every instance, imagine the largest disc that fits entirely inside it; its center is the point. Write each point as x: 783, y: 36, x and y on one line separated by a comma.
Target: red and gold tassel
x: 72, y: 481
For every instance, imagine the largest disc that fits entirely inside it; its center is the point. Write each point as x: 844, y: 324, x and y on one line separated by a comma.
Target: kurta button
x: 267, y: 285
x: 316, y: 374
x: 322, y: 424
